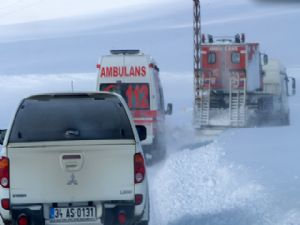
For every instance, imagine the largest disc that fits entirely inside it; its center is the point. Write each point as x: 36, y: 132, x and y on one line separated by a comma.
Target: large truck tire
x: 159, y: 150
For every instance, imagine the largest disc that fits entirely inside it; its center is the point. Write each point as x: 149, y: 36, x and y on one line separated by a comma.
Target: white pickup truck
x: 73, y: 158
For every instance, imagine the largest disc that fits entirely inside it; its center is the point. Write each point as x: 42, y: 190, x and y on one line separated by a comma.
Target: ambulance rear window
x: 136, y: 95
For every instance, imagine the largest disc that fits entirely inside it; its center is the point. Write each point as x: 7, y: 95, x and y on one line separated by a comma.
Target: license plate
x: 72, y: 214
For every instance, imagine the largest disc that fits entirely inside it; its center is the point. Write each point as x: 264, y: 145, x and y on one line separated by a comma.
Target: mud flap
x: 33, y: 212
x: 110, y: 215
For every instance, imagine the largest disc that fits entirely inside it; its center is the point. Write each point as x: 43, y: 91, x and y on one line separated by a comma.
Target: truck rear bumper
x: 111, y: 214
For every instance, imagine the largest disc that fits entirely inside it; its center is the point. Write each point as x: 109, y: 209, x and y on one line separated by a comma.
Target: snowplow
x: 238, y: 86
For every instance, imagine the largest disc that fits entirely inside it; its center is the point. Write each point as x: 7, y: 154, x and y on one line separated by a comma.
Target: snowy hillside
x: 246, y: 176
x: 54, y: 36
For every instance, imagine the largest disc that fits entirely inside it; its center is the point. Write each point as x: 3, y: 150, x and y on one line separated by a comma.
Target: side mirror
x: 142, y: 132
x: 169, y: 109
x: 2, y: 136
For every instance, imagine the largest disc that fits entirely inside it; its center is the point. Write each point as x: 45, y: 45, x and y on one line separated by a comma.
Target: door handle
x: 71, y: 162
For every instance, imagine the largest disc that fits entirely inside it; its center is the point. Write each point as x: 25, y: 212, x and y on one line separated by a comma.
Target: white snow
x: 292, y: 217
x: 246, y: 176
x: 196, y: 183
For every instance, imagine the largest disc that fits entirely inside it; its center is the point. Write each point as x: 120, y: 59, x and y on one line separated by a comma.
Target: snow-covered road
x: 244, y: 177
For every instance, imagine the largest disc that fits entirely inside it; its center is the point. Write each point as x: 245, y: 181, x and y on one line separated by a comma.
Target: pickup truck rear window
x: 60, y: 119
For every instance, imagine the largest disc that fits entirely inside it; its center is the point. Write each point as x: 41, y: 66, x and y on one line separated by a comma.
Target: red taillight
x: 139, y: 168
x: 23, y: 220
x: 4, y: 172
x: 138, y: 199
x: 122, y: 217
x: 5, y: 204
x: 98, y: 66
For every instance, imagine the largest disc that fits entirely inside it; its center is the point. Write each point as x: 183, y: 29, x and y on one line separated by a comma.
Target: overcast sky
x: 23, y: 11
x: 54, y: 36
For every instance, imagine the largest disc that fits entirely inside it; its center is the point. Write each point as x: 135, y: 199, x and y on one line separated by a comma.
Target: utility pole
x: 197, y: 38
x: 197, y: 57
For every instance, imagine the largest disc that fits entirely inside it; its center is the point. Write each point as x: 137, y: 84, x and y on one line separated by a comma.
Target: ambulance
x: 135, y: 76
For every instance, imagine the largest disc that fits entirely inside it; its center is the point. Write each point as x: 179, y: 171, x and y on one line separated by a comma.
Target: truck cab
x: 135, y: 76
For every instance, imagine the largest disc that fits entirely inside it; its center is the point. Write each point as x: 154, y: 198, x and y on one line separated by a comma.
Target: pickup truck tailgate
x: 83, y: 171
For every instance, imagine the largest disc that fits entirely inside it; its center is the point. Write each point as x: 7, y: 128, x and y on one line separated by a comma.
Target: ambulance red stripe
x: 144, y: 121
x: 144, y: 113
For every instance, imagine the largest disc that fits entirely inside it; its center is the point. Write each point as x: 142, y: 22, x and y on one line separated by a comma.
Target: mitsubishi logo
x: 72, y: 180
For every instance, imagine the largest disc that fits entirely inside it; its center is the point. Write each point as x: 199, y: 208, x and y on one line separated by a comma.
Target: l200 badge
x: 73, y: 180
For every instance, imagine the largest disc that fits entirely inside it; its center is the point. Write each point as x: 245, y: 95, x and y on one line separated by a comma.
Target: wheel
x: 160, y: 149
